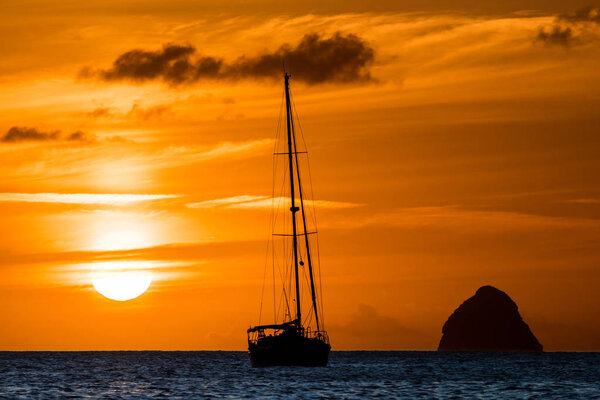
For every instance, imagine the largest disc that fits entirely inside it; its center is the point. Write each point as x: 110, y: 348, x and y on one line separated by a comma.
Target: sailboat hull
x: 289, y: 351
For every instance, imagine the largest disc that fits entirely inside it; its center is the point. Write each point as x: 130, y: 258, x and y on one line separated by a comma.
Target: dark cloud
x: 556, y: 36
x: 314, y: 60
x: 563, y: 31
x: 80, y: 136
x: 588, y: 14
x: 340, y: 58
x: 26, y: 134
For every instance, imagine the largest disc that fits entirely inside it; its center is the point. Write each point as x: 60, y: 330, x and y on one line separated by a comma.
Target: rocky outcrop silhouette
x: 488, y: 321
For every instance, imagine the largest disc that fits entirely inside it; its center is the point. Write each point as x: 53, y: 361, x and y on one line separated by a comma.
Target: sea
x: 349, y: 375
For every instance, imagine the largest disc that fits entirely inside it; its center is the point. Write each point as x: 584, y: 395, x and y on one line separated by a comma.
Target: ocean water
x: 350, y: 375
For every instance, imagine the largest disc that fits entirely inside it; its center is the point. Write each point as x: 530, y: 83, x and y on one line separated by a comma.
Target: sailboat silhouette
x: 292, y: 342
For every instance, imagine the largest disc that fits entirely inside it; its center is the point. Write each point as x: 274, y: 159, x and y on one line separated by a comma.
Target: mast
x: 306, y: 241
x: 293, y: 207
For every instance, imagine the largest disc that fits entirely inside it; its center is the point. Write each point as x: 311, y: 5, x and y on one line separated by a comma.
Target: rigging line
x: 281, y: 304
x: 314, y: 217
x: 262, y: 291
x: 284, y: 279
x: 275, y: 210
x: 277, y: 206
x: 320, y: 284
x: 308, y: 317
x: 273, y: 248
x: 312, y: 197
x: 288, y: 277
x: 293, y: 207
x: 297, y: 234
x: 307, y: 242
x: 310, y: 310
x: 273, y: 215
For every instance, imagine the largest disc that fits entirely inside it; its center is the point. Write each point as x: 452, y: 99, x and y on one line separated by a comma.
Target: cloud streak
x: 105, y: 161
x: 463, y: 220
x: 83, y: 198
x: 314, y: 60
x: 584, y: 201
x: 264, y: 202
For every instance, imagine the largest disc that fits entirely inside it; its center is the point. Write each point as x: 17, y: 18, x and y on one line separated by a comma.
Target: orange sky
x: 464, y: 152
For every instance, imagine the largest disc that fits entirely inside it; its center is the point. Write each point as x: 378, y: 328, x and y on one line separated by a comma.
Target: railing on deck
x: 255, y: 335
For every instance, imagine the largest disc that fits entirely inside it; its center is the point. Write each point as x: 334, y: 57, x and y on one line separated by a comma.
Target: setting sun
x: 121, y: 281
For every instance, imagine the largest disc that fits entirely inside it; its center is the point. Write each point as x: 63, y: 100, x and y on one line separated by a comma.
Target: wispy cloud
x: 110, y: 157
x: 462, y: 220
x: 584, y: 201
x: 136, y: 112
x: 261, y: 202
x: 181, y: 155
x: 175, y: 252
x: 226, y: 202
x: 234, y: 148
x: 83, y: 198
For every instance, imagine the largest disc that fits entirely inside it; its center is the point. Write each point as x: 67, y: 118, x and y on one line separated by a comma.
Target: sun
x: 121, y: 281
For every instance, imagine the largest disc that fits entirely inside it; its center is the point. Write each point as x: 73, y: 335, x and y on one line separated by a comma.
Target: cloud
x: 80, y: 136
x: 556, y: 36
x: 147, y: 113
x: 105, y: 160
x: 368, y: 329
x: 193, y: 154
x: 176, y: 252
x: 226, y: 202
x: 563, y: 31
x: 469, y: 221
x: 83, y: 198
x: 136, y: 112
x: 314, y: 60
x: 588, y: 14
x: 22, y: 134
x: 261, y: 202
x: 584, y: 201
x: 26, y: 134
x: 100, y: 112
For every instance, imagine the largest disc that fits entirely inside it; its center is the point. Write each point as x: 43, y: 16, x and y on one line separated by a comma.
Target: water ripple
x: 350, y: 375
